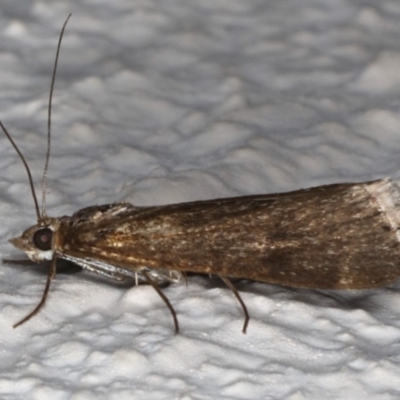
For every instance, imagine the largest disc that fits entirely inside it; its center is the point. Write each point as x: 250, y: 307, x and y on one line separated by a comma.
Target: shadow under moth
x: 340, y: 236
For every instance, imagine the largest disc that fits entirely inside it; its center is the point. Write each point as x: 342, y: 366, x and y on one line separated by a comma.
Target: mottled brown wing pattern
x: 325, y: 237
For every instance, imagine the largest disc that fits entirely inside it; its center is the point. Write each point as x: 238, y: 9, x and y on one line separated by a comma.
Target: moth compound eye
x: 43, y: 238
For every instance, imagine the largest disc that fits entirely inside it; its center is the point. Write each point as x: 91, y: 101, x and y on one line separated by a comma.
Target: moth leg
x: 99, y: 268
x: 63, y: 266
x: 50, y: 276
x: 185, y: 278
x: 164, y: 297
x: 237, y: 295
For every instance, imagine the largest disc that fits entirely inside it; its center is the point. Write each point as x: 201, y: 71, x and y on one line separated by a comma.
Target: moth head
x: 38, y: 240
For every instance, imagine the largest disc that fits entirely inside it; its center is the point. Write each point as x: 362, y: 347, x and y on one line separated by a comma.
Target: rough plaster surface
x: 162, y: 101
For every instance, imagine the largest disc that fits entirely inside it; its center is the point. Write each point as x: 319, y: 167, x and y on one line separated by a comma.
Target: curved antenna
x: 53, y: 78
x: 27, y: 170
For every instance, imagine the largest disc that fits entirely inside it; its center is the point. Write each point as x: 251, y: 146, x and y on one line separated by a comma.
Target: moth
x: 340, y: 236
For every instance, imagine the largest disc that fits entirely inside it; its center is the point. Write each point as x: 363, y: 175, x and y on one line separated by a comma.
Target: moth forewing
x: 342, y: 236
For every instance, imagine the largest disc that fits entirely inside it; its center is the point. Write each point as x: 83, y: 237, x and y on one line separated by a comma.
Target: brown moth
x: 341, y: 236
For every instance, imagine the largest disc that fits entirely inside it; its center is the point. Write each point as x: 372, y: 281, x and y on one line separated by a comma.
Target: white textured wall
x: 177, y: 100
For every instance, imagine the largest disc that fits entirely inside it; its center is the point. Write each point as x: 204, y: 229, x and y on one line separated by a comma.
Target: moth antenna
x: 53, y: 78
x: 50, y: 276
x: 237, y: 295
x: 164, y: 297
x: 27, y: 170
